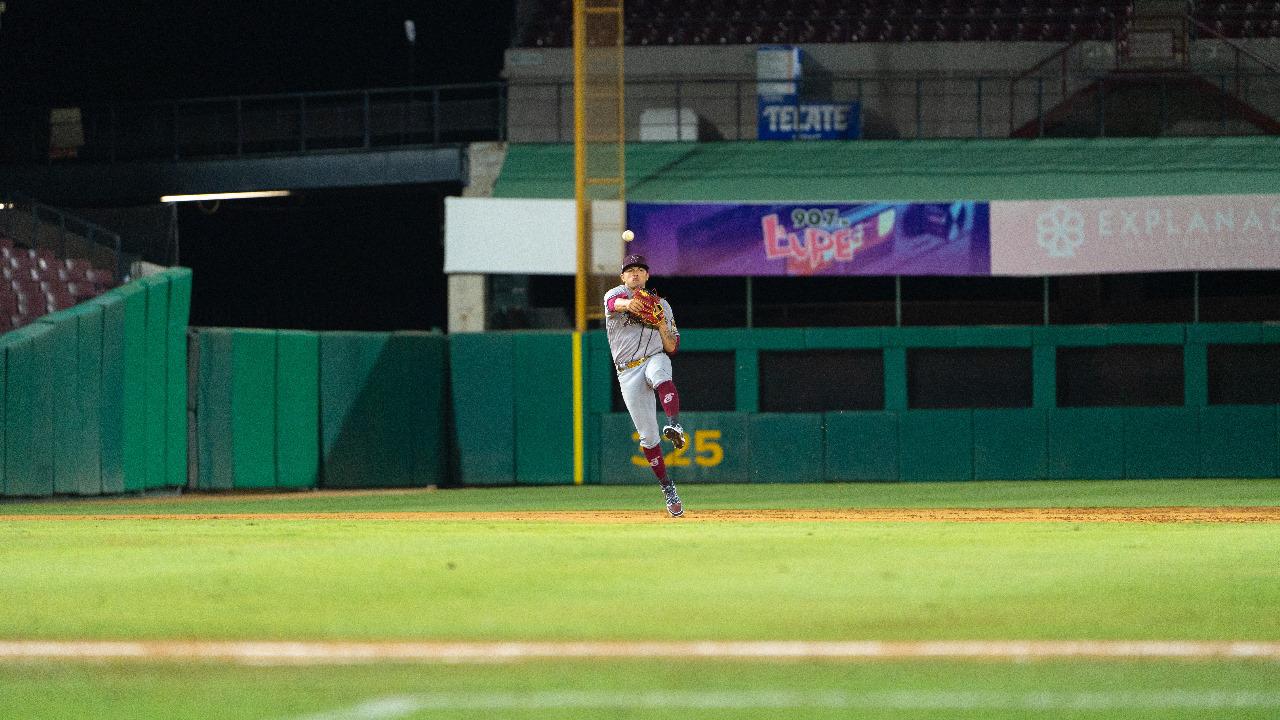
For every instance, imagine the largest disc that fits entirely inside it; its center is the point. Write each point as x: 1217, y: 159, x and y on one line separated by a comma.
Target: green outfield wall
x: 95, y: 395
x: 512, y: 409
x: 95, y: 401
x: 295, y: 409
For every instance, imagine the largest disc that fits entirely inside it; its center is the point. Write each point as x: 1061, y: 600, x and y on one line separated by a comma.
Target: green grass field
x: 354, y: 578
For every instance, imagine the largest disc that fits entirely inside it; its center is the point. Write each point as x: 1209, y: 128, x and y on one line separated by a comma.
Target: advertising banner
x: 812, y: 239
x: 785, y: 118
x: 1151, y: 234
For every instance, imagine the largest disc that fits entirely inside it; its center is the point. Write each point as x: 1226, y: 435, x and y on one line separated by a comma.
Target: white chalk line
x: 399, y: 706
x: 337, y: 652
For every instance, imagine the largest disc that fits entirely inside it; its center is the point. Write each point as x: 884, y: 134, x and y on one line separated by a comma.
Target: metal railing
x: 37, y: 225
x: 901, y: 107
x: 292, y: 123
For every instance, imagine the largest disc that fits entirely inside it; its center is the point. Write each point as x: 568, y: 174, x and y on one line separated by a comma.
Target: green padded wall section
x: 482, y: 369
x: 5, y: 339
x: 598, y: 378
x: 89, y: 391
x: 936, y: 445
x: 134, y: 403
x: 1010, y: 444
x: 176, y: 377
x: 64, y: 413
x: 377, y: 422
x: 98, y: 400
x: 45, y: 399
x: 297, y: 409
x: 1161, y: 442
x: 620, y: 460
x: 253, y: 410
x: 785, y: 447
x: 719, y: 450
x: 215, y: 451
x: 28, y: 412
x: 1044, y: 376
x: 17, y: 348
x: 428, y: 356
x: 861, y: 446
x: 349, y: 396
x: 1086, y: 443
x: 156, y: 387
x: 913, y: 169
x: 543, y: 387
x: 111, y: 392
x: 1238, y: 441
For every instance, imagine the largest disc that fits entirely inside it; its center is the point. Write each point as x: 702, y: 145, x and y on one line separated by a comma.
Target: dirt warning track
x: 1228, y: 514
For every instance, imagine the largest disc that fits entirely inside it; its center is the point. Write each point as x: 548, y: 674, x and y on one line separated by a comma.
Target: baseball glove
x: 646, y: 307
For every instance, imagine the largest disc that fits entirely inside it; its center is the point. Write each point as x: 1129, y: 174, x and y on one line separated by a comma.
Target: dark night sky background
x: 60, y: 51
x: 338, y: 259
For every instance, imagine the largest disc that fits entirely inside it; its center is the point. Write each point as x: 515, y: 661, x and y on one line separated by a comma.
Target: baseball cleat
x: 675, y: 434
x: 673, y: 500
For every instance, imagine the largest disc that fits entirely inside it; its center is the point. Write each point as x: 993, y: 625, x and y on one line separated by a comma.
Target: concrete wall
x: 907, y: 89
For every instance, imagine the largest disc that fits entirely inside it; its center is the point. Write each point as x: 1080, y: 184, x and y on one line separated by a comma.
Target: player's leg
x: 658, y: 373
x: 638, y: 396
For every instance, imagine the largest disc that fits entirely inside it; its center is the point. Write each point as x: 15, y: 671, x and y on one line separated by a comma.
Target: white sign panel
x: 1151, y: 234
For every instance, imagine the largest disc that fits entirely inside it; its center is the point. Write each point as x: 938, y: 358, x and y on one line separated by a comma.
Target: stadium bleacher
x: 38, y: 282
x: 668, y: 22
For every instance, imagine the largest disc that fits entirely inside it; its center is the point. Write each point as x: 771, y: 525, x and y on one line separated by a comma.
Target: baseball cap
x: 633, y: 261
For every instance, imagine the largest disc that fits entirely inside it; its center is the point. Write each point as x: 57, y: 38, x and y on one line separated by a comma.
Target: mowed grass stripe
x: 668, y: 581
x: 201, y: 690
x: 401, y: 706
x: 331, y: 653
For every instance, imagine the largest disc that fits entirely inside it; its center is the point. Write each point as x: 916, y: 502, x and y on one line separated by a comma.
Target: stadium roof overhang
x: 80, y: 183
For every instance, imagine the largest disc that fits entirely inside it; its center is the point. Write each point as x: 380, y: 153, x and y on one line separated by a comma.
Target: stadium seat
x: 719, y: 22
x: 77, y: 273
x: 31, y: 307
x: 43, y: 258
x: 103, y: 279
x: 82, y: 290
x: 24, y: 273
x: 57, y: 298
x: 26, y: 287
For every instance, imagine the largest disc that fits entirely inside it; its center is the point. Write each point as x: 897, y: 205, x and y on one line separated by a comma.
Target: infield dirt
x: 1262, y: 514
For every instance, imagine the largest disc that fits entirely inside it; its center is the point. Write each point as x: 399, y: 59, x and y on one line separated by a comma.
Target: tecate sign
x: 792, y: 120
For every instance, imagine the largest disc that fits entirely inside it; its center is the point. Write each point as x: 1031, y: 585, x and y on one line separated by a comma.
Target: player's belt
x: 623, y: 367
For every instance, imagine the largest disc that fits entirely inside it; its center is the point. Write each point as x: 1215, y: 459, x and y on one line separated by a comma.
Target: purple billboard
x: 951, y: 238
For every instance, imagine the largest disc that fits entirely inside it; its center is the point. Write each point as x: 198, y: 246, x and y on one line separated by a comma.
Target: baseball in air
x: 628, y: 236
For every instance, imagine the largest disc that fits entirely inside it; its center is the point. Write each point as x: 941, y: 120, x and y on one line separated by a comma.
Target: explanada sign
x: 1150, y: 234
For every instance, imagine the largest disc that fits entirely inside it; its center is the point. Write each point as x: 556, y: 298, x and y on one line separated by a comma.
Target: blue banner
x: 786, y: 118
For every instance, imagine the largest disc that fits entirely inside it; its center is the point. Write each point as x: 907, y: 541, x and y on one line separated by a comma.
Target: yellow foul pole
x: 583, y: 207
x: 599, y: 157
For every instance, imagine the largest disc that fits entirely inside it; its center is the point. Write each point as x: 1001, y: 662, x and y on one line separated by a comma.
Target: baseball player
x: 641, y: 332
